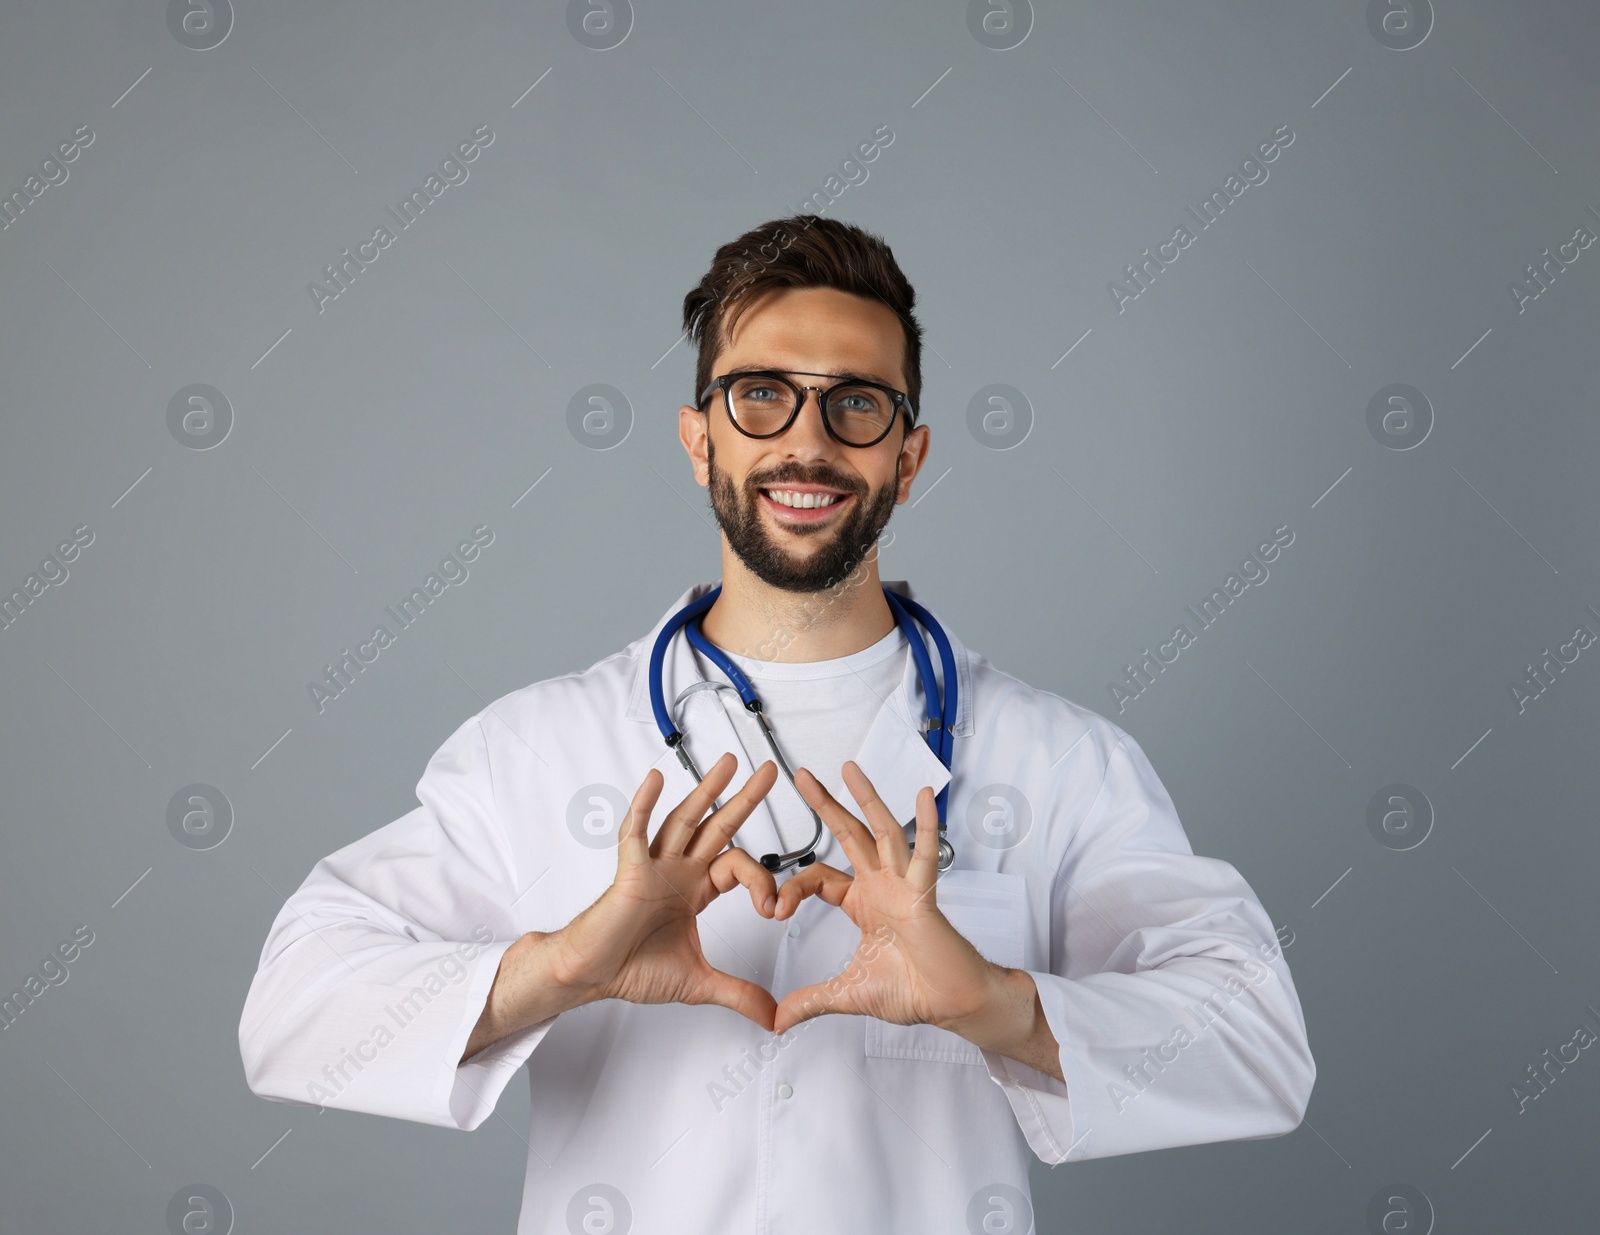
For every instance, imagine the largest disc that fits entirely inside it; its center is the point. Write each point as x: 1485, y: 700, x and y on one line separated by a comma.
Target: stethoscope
x: 938, y: 729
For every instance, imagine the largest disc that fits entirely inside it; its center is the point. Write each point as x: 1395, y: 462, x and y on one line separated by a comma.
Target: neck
x: 752, y: 618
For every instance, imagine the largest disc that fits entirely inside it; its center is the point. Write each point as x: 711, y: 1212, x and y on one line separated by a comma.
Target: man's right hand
x: 640, y: 941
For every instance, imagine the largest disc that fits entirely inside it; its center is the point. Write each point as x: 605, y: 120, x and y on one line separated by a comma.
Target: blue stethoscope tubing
x: 939, y: 728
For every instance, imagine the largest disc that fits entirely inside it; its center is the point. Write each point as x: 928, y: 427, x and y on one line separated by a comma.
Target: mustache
x: 789, y: 478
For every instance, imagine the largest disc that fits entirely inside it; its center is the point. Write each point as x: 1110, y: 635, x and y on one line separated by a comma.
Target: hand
x: 640, y: 941
x: 912, y: 967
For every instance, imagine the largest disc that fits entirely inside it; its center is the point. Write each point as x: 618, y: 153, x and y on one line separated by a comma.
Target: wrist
x: 1007, y: 1016
x: 560, y: 965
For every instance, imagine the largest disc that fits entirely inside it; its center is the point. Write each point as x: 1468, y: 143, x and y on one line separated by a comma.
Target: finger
x: 856, y: 841
x: 895, y: 845
x: 837, y: 994
x: 818, y: 879
x: 631, y: 836
x: 735, y: 866
x: 890, y: 839
x: 922, y: 871
x: 745, y: 998
x: 712, y: 836
x: 682, y: 820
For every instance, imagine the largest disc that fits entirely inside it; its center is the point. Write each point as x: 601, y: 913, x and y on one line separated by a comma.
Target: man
x: 1077, y: 984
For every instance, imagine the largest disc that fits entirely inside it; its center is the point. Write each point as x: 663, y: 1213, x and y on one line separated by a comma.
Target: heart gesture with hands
x: 913, y: 967
x: 640, y: 941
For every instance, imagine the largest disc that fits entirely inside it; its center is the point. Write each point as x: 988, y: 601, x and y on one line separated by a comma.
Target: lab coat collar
x: 895, y: 755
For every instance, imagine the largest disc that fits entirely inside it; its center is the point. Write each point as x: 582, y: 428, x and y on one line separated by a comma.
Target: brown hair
x: 801, y: 251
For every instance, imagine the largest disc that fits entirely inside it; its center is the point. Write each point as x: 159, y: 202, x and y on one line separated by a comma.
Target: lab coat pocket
x: 988, y: 908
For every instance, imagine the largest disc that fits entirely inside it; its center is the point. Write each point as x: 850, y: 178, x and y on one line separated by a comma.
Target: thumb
x: 746, y: 998
x: 803, y: 1003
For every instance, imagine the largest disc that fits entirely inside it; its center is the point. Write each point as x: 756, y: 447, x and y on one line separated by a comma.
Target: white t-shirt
x: 820, y: 712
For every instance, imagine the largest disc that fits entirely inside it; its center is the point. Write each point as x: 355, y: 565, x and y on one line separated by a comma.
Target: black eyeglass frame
x: 902, y: 402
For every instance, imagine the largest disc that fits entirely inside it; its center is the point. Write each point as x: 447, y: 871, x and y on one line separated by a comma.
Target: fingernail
x: 768, y: 903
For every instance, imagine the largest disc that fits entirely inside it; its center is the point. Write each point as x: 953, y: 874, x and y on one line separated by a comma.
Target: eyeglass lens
x: 760, y: 404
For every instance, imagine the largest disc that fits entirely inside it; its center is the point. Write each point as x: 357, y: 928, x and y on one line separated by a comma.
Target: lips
x: 801, y: 514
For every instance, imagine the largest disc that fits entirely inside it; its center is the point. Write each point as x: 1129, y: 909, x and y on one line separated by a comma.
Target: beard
x: 841, y: 543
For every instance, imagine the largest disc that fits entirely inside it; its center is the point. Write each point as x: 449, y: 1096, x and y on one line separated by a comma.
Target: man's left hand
x: 912, y: 967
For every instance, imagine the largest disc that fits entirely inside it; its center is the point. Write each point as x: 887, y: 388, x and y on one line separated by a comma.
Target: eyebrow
x: 838, y: 375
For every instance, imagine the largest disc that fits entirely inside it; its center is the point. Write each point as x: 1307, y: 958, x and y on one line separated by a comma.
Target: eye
x: 863, y: 401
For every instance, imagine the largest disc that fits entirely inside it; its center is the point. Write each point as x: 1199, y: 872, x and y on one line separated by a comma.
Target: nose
x: 812, y: 421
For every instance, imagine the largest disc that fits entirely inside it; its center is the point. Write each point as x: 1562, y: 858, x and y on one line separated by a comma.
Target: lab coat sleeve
x: 1173, y: 1006
x: 376, y: 970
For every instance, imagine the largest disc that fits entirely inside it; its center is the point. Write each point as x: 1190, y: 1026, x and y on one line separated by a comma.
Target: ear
x: 913, y: 453
x: 693, y: 432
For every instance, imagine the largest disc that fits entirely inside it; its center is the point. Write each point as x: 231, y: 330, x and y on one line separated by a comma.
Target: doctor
x: 857, y: 1040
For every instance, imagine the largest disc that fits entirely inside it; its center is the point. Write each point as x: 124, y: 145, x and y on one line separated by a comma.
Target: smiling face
x: 760, y: 488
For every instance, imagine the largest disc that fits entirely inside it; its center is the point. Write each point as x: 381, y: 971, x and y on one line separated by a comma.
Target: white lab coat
x: 1157, y: 970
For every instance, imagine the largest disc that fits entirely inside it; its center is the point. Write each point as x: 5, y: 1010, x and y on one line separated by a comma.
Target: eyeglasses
x: 764, y: 403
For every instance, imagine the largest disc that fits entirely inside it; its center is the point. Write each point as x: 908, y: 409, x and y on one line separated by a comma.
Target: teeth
x: 801, y: 501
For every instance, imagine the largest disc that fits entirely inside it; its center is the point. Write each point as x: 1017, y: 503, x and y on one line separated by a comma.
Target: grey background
x: 1227, y: 400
